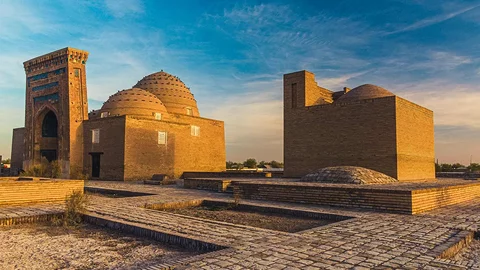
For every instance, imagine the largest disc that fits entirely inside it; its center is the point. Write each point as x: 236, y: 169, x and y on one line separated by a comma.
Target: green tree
x: 230, y: 164
x: 446, y: 167
x: 474, y: 167
x: 438, y: 167
x: 262, y: 163
x: 6, y: 161
x: 276, y: 164
x: 250, y: 163
x: 455, y: 166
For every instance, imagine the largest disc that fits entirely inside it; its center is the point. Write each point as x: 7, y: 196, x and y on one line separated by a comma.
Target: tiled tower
x: 56, y: 106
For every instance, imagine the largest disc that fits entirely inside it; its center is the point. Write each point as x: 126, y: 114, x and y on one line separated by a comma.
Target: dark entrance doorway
x: 50, y: 155
x: 95, y: 164
x: 50, y: 125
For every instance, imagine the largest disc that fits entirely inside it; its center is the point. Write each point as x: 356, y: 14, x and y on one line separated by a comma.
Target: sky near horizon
x: 232, y: 55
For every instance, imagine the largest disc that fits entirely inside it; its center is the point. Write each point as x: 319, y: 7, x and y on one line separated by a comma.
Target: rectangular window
x: 104, y: 114
x: 158, y: 116
x: 294, y: 95
x: 95, y: 135
x: 77, y: 72
x: 162, y: 137
x: 195, y: 131
x: 189, y: 111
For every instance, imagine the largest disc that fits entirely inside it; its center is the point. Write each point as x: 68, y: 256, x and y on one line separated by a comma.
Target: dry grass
x: 45, y: 169
x: 75, y: 206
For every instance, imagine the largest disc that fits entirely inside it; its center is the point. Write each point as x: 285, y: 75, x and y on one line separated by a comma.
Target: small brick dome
x: 133, y: 101
x: 366, y: 91
x: 172, y: 91
x: 348, y: 175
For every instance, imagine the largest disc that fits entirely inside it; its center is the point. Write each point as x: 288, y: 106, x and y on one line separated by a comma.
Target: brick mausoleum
x: 153, y: 128
x: 367, y: 126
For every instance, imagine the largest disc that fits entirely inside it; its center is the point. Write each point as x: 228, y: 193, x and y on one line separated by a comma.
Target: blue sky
x: 233, y: 55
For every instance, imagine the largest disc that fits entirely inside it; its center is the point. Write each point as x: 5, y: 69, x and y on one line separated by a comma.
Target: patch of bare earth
x: 271, y: 221
x: 470, y: 253
x: 88, y: 247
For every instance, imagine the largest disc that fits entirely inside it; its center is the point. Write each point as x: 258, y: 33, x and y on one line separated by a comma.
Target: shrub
x: 75, y: 206
x: 44, y: 169
x: 77, y: 173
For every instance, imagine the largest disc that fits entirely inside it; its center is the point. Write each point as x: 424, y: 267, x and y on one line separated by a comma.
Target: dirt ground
x: 271, y: 221
x: 88, y: 247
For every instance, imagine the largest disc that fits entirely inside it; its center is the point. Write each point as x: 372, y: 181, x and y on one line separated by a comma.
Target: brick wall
x: 357, y: 134
x: 29, y: 192
x: 425, y: 200
x: 17, y: 149
x: 398, y: 201
x: 57, y: 70
x: 415, y: 141
x: 391, y: 200
x: 230, y: 174
x: 144, y: 157
x: 112, y: 147
x: 219, y: 185
x: 183, y: 152
x: 389, y: 134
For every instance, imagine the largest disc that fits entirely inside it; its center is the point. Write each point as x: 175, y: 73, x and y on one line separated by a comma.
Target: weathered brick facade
x: 136, y: 134
x: 379, y: 131
x: 17, y: 150
x: 129, y: 146
x: 56, y: 83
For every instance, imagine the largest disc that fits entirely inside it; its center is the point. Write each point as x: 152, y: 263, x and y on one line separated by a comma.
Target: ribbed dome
x: 133, y: 101
x: 172, y: 91
x: 366, y: 91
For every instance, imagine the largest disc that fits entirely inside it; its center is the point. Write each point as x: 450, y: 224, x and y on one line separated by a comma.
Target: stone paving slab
x: 370, y: 241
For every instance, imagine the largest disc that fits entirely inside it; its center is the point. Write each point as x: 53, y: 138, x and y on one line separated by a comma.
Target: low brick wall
x: 429, y: 199
x: 144, y: 231
x: 457, y: 174
x: 390, y: 200
x: 229, y: 174
x: 29, y: 192
x: 219, y: 185
x: 28, y: 219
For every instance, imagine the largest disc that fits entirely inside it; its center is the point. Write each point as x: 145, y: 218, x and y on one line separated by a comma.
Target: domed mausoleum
x: 366, y: 91
x: 172, y: 91
x: 153, y: 128
x: 367, y: 126
x: 133, y: 101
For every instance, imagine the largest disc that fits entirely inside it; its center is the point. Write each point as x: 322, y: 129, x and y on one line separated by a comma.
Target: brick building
x: 153, y: 128
x: 367, y: 126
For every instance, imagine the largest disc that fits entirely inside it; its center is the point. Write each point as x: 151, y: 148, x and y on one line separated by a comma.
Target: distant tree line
x: 252, y: 163
x: 5, y: 161
x: 456, y: 167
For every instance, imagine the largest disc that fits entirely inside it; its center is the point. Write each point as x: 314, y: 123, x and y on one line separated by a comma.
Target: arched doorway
x: 50, y: 125
x: 49, y: 136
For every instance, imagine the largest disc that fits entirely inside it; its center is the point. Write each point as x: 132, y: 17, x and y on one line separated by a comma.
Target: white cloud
x: 253, y: 121
x: 452, y: 104
x: 281, y: 40
x: 122, y: 8
x: 337, y: 83
x: 19, y: 20
x: 433, y: 20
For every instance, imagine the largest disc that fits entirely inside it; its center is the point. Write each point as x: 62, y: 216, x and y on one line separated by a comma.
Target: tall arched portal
x: 50, y: 125
x: 55, y: 108
x: 48, y: 139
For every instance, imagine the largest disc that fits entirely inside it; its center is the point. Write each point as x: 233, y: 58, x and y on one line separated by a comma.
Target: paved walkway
x: 370, y: 240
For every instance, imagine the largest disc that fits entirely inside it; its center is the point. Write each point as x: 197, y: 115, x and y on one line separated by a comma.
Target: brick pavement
x: 370, y: 240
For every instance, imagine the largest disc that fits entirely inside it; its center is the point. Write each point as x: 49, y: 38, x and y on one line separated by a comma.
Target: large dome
x: 171, y: 91
x: 133, y: 101
x: 366, y: 91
